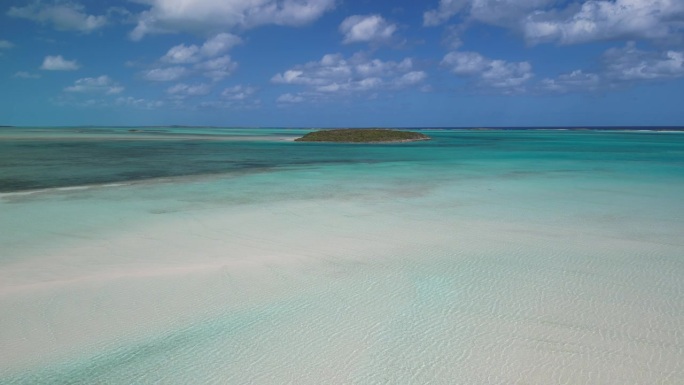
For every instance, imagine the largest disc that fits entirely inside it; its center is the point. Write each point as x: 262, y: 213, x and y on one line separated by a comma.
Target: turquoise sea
x: 174, y: 255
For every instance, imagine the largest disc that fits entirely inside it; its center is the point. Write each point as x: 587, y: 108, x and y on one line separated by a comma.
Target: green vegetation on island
x: 362, y: 135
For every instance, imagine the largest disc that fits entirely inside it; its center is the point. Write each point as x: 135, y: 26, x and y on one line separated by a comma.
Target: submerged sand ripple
x: 209, y: 298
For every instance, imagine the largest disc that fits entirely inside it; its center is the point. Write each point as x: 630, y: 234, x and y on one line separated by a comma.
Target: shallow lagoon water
x: 489, y: 257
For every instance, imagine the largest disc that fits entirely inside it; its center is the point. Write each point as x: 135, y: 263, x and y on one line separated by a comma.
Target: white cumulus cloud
x: 489, y: 73
x: 218, y: 68
x: 576, y: 80
x: 631, y: 64
x: 101, y: 84
x: 145, y: 104
x: 219, y: 44
x: 502, y: 13
x: 445, y: 11
x: 165, y: 74
x: 235, y: 97
x: 182, y: 90
x: 204, y: 57
x: 568, y: 22
x: 290, y: 98
x: 211, y: 16
x: 411, y: 78
x: 238, y: 92
x: 184, y: 54
x: 465, y: 63
x: 26, y: 75
x: 452, y: 37
x: 336, y: 74
x: 366, y: 28
x: 4, y: 44
x: 506, y: 13
x: 607, y: 19
x: 64, y: 16
x: 58, y: 63
x: 621, y: 67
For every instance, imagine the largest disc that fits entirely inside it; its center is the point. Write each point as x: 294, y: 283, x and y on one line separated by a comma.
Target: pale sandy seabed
x: 481, y: 281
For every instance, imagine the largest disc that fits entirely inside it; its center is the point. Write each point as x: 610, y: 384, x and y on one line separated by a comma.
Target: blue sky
x: 332, y: 63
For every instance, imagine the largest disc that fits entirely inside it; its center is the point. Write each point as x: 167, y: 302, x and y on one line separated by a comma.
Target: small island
x: 363, y: 135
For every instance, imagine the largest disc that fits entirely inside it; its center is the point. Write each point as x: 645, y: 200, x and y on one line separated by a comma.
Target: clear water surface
x: 204, y: 255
